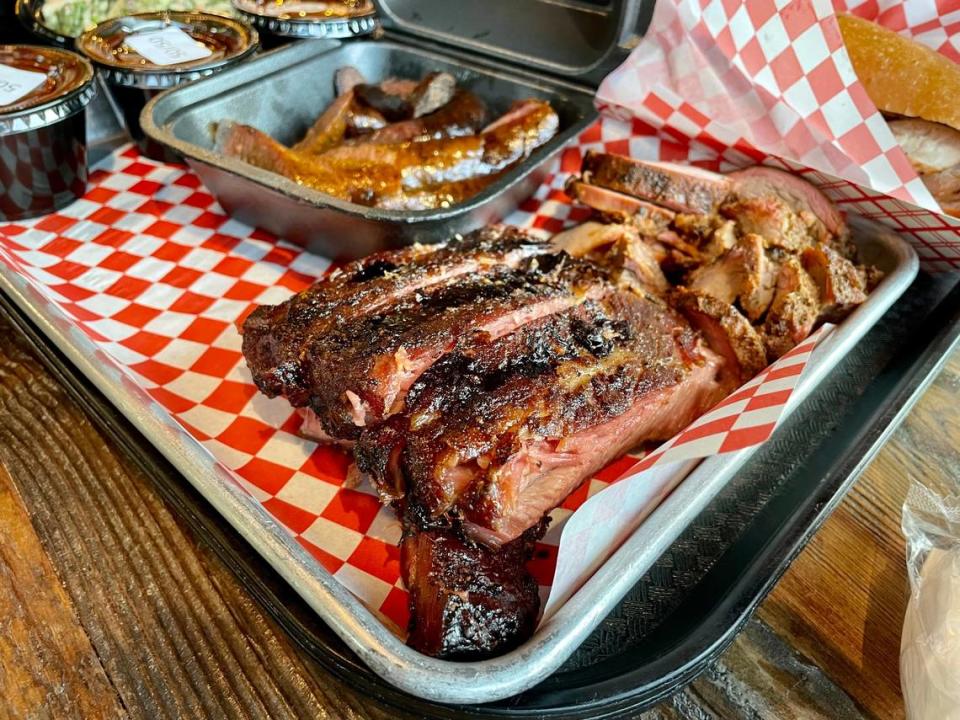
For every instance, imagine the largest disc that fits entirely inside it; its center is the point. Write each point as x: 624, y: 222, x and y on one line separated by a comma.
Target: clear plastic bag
x: 930, y: 643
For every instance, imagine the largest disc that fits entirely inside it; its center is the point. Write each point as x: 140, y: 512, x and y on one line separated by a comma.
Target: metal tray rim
x: 384, y: 653
x: 276, y: 59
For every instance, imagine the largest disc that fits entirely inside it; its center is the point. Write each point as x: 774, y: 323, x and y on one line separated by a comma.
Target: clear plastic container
x: 133, y: 77
x: 282, y: 20
x: 43, y: 144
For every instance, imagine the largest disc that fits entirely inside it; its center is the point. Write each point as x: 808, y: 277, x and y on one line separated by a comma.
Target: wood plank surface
x: 169, y: 632
x: 48, y: 667
x: 176, y: 634
x: 842, y: 601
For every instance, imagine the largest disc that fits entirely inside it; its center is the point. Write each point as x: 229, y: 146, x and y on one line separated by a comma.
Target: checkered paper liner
x: 150, y: 269
x: 39, y: 169
x: 746, y: 418
x: 769, y: 81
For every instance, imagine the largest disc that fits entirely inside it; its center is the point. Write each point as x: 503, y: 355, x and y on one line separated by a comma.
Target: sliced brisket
x: 682, y: 188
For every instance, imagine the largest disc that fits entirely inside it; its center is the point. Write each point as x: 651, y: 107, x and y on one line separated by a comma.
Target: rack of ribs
x: 479, y: 382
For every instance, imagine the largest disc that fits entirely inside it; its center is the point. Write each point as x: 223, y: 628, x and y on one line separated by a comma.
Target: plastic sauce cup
x: 43, y: 143
x: 139, y: 56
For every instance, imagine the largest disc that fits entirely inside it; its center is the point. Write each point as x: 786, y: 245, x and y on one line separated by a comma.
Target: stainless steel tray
x: 362, y: 632
x: 284, y: 91
x: 691, y: 604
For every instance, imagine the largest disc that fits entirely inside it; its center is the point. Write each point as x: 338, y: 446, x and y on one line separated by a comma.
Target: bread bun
x: 900, y: 75
x: 921, y: 89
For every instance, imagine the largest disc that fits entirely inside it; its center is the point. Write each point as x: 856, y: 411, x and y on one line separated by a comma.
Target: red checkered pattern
x: 746, y: 418
x: 764, y: 80
x: 767, y: 78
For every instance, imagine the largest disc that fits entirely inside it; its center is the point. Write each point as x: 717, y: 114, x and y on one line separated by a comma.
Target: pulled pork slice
x: 619, y: 247
x: 744, y: 274
x: 500, y: 432
x: 782, y: 207
x: 770, y: 218
x: 842, y: 285
x: 711, y: 235
x: 794, y: 310
x: 812, y: 208
x: 467, y: 602
x: 616, y: 207
x: 726, y: 330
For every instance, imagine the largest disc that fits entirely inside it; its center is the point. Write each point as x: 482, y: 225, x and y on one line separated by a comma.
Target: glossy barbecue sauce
x: 224, y: 38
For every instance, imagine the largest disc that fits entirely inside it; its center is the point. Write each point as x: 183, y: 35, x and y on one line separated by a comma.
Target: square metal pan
x: 284, y: 91
x: 557, y: 639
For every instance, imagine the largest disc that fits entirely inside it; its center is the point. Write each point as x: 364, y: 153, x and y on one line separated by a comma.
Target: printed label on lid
x: 15, y: 83
x: 170, y: 46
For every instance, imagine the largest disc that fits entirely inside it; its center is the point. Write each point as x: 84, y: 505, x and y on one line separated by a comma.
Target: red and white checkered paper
x: 150, y: 269
x: 744, y: 419
x: 770, y: 81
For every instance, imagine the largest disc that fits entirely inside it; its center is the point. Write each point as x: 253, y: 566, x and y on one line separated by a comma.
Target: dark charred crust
x: 372, y: 271
x: 468, y: 602
x: 552, y: 378
x: 277, y: 339
x: 633, y: 177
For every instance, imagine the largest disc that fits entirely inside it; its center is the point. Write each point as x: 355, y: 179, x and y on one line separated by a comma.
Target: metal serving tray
x: 284, y: 91
x: 699, y: 594
x: 559, y: 637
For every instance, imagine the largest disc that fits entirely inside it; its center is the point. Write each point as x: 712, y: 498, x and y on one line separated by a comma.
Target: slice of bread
x: 902, y: 76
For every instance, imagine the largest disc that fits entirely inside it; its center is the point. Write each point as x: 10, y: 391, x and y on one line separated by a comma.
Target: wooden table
x: 110, y: 608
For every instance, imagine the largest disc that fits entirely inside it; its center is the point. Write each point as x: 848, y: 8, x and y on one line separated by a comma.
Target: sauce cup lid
x: 32, y: 101
x: 222, y: 41
x: 308, y: 10
x: 310, y: 18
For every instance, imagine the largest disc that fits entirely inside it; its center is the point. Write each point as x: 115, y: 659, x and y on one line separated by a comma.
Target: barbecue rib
x: 278, y: 340
x: 359, y: 369
x: 501, y: 432
x: 467, y: 601
x: 479, y: 382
